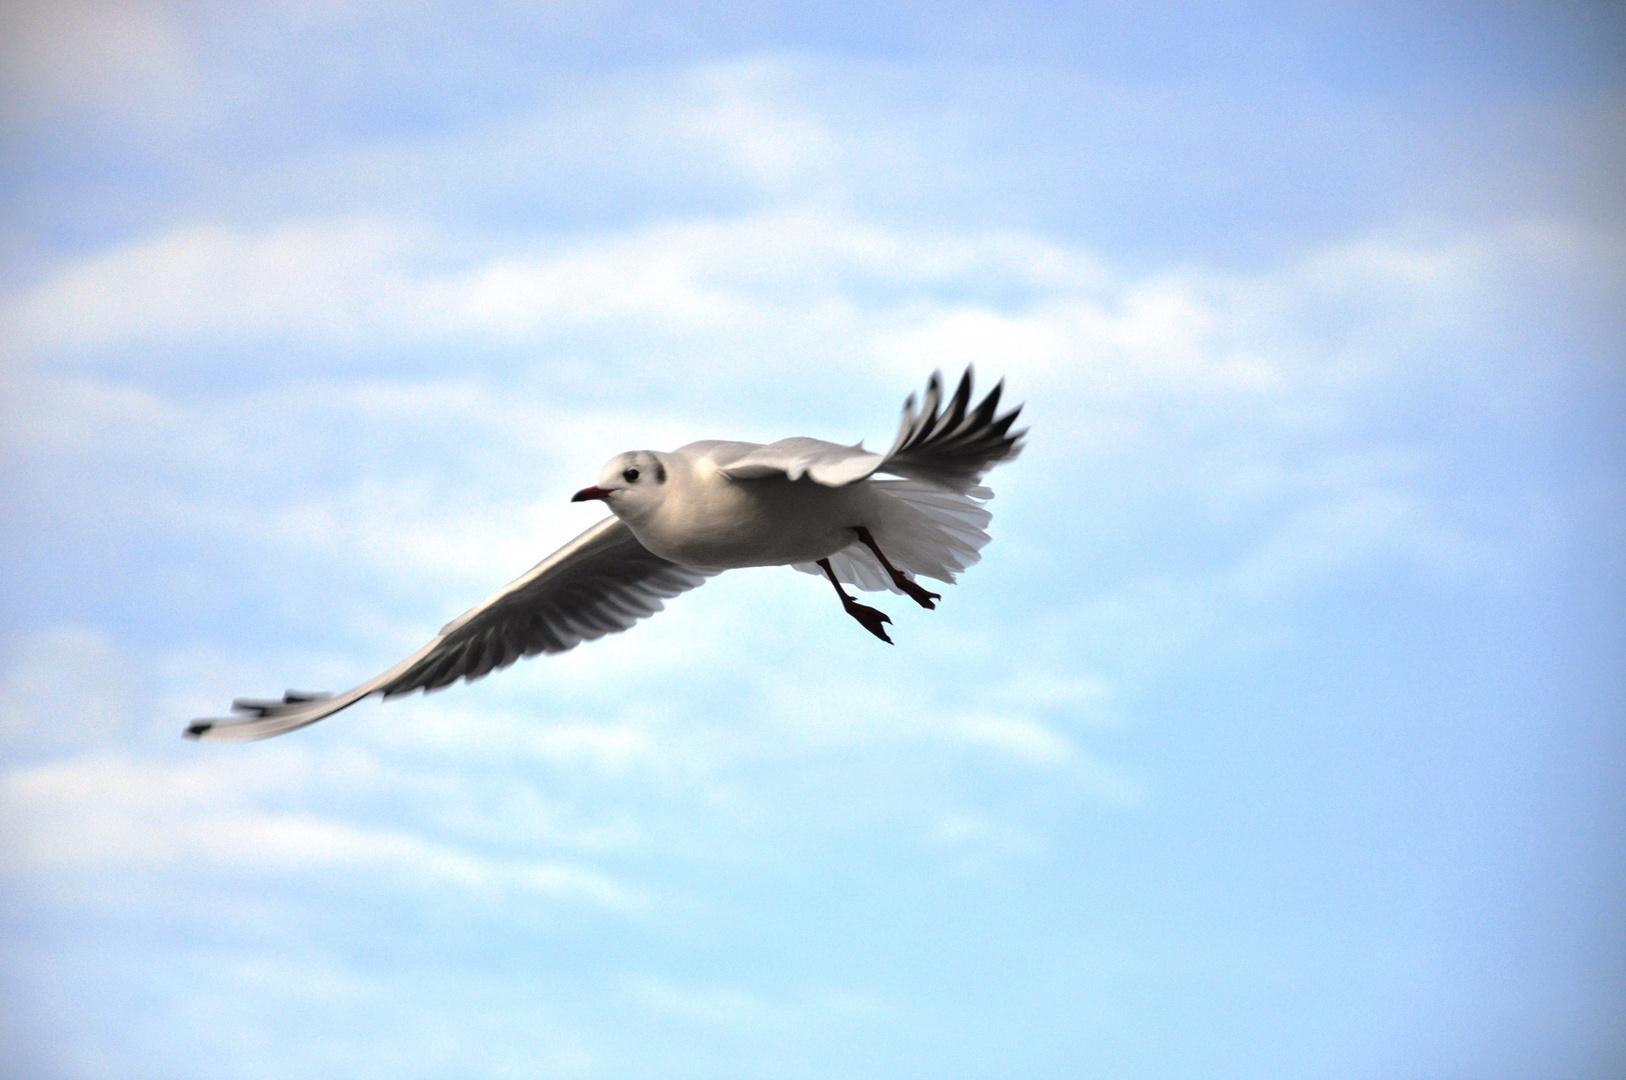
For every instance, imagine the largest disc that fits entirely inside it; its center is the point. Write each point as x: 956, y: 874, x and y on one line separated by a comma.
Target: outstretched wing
x: 948, y: 447
x: 600, y: 583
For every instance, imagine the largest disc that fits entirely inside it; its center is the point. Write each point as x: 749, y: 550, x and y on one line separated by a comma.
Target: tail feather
x: 924, y: 530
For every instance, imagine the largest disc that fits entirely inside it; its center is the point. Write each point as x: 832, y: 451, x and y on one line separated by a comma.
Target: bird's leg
x: 869, y: 618
x: 913, y: 591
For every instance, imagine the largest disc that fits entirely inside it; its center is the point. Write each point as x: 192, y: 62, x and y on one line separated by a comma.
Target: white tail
x: 924, y: 530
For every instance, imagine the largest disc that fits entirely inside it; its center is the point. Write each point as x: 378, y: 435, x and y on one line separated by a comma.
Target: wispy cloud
x: 103, y: 814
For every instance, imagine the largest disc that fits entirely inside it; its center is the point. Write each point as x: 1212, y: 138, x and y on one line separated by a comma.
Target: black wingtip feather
x: 958, y: 404
x: 956, y: 445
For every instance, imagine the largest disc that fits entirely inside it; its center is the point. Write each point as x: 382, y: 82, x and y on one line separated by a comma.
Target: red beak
x: 590, y: 493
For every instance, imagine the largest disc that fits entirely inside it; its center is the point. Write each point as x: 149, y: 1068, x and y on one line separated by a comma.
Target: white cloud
x: 772, y: 288
x: 347, y: 281
x: 96, y: 815
x: 512, y: 799
x: 334, y: 279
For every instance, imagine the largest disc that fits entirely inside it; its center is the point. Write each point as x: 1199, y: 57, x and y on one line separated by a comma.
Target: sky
x: 1278, y: 734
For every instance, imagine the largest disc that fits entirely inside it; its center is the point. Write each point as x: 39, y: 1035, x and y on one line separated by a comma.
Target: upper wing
x: 822, y: 462
x: 600, y: 583
x: 947, y: 447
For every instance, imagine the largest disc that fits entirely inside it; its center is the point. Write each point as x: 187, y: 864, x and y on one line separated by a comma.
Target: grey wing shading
x: 600, y: 583
x: 948, y: 446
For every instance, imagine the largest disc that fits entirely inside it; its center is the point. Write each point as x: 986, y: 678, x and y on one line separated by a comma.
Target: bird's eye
x: 630, y: 475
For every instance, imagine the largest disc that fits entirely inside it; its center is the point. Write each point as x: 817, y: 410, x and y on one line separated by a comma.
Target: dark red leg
x: 910, y: 589
x: 869, y: 618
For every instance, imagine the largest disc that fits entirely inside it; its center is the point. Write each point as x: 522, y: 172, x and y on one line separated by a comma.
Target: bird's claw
x: 869, y: 618
x: 917, y: 594
x: 905, y: 585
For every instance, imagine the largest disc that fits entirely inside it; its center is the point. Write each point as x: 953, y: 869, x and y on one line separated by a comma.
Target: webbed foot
x: 909, y: 588
x: 869, y: 618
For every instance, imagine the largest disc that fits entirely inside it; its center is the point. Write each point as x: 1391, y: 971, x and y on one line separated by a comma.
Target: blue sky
x: 1278, y: 734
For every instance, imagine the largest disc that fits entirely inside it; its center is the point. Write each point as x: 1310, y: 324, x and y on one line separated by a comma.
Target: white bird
x: 683, y: 516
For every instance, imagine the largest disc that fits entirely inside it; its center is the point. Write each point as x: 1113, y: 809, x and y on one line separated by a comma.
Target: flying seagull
x: 678, y: 518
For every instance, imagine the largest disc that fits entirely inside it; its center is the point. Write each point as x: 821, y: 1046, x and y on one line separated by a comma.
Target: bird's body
x: 709, y: 516
x: 711, y: 520
x: 685, y: 515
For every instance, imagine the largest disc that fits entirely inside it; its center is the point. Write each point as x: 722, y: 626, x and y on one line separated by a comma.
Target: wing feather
x: 827, y: 463
x: 953, y: 448
x: 949, y: 447
x: 600, y: 583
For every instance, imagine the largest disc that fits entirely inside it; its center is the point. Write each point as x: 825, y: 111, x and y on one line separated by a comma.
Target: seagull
x: 680, y: 517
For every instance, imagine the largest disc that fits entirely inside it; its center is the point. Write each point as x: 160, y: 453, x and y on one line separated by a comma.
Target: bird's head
x: 630, y: 484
